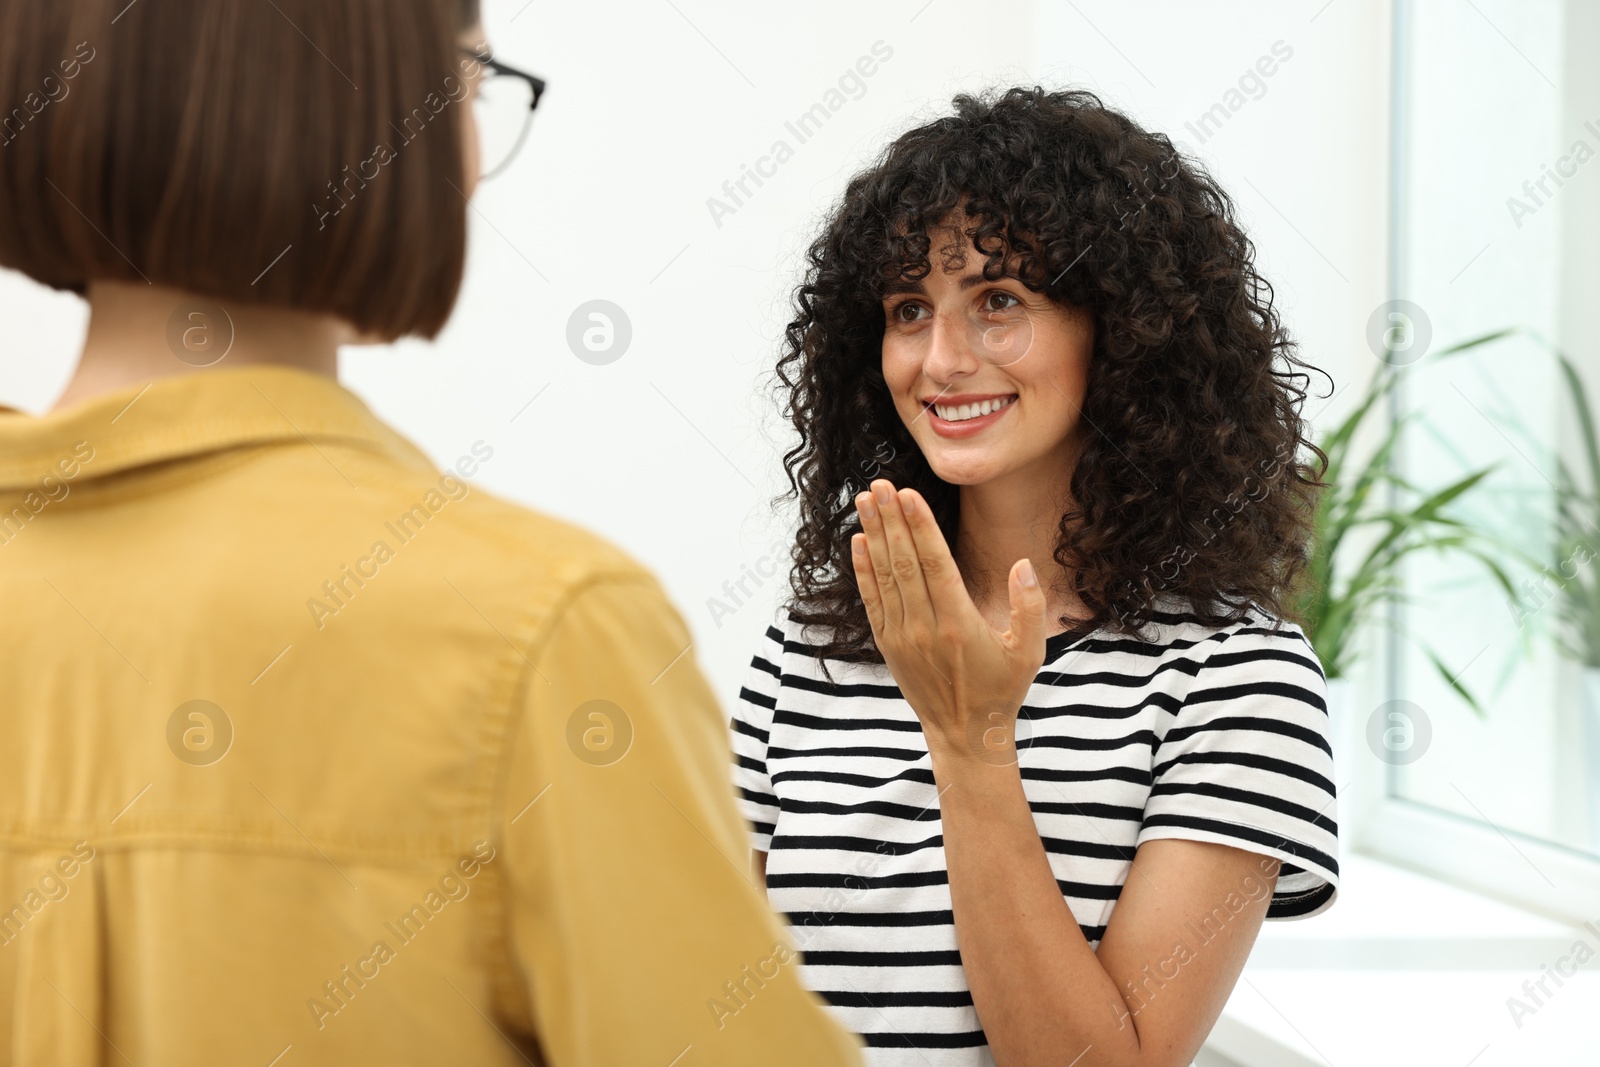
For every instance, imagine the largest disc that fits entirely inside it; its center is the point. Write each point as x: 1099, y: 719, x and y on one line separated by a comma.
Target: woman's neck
x: 142, y: 333
x: 1009, y: 519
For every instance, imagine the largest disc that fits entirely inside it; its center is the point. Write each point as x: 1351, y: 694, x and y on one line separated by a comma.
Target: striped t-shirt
x: 1198, y: 732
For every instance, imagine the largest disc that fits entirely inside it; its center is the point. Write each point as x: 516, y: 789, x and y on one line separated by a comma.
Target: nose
x: 949, y: 357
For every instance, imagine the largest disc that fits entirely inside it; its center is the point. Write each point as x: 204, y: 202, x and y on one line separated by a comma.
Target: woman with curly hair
x: 1037, y: 744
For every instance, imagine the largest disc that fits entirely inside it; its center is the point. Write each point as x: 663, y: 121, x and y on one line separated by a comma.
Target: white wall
x: 672, y: 450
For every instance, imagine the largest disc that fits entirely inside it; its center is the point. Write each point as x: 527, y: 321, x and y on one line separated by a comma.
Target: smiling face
x: 989, y: 376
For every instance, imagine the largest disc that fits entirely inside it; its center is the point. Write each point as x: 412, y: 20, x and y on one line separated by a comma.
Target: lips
x: 964, y: 416
x: 951, y: 411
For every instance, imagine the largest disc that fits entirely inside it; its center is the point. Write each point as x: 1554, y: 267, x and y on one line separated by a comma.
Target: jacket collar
x: 190, y: 415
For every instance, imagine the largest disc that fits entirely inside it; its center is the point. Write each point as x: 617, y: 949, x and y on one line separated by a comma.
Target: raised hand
x: 964, y: 679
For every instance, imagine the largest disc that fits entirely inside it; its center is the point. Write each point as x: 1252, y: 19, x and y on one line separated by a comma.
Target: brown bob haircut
x: 296, y: 153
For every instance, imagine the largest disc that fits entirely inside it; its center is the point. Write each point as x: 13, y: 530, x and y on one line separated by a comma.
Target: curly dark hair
x: 1191, y: 487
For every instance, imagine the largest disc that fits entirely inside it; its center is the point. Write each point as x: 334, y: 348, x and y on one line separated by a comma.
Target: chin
x: 965, y: 470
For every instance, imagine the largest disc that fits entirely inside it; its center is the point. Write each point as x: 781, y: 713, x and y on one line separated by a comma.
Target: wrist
x: 984, y: 735
x: 966, y: 756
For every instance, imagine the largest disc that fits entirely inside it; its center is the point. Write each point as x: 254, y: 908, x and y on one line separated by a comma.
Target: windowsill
x: 1404, y: 969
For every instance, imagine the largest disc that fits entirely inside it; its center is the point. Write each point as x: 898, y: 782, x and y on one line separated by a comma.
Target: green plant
x: 1345, y: 586
x: 1577, y: 518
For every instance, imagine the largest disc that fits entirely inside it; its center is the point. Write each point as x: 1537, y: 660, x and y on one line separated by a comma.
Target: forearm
x: 1040, y: 991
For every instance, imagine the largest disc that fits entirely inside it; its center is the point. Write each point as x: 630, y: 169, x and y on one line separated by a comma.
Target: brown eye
x: 999, y: 300
x: 907, y: 312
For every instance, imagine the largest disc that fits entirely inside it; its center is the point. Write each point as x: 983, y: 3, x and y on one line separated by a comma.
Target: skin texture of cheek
x: 474, y: 41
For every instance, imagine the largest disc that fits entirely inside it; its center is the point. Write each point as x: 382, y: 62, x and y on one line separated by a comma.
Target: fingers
x: 1027, y: 610
x: 939, y: 570
x: 867, y: 583
x: 890, y: 603
x: 894, y: 556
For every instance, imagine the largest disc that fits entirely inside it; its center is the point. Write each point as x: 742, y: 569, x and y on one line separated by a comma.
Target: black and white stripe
x: 1200, y: 733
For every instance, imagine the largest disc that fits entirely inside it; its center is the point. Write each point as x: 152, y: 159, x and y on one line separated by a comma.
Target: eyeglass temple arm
x: 535, y: 82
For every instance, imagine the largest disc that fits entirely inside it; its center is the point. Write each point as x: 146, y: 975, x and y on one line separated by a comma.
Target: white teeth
x: 962, y: 412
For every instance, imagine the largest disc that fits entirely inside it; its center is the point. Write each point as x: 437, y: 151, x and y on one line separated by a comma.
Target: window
x: 1495, y: 224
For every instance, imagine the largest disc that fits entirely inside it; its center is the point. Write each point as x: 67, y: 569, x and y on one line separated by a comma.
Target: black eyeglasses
x: 505, y: 103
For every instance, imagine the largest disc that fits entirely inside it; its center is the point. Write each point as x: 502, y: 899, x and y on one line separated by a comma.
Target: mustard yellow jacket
x: 311, y: 753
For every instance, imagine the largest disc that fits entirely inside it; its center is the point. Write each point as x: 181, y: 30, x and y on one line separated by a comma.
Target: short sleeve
x: 1247, y: 762
x: 750, y: 729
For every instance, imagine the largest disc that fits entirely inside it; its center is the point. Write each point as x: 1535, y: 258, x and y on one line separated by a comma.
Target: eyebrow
x: 914, y: 285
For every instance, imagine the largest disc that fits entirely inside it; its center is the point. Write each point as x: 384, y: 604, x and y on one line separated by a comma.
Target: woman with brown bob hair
x: 315, y: 753
x: 1036, y: 743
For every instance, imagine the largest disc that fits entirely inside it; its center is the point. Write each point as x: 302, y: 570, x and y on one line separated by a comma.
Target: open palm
x: 964, y: 679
